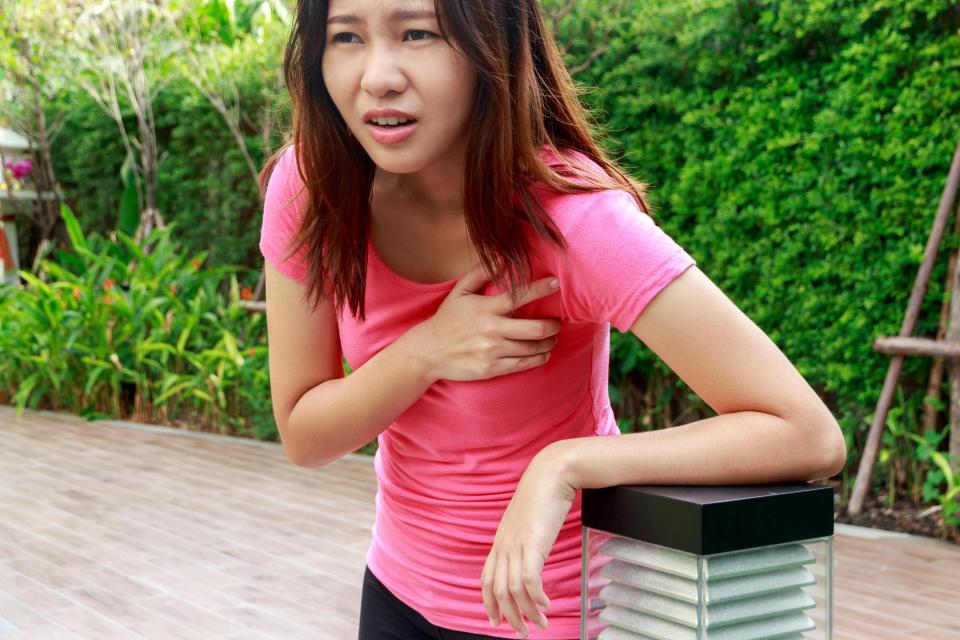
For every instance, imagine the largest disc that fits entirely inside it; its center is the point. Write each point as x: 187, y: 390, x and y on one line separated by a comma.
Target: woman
x: 441, y: 173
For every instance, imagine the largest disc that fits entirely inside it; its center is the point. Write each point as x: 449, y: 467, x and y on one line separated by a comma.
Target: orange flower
x: 196, y: 262
x: 246, y: 293
x: 251, y: 352
x: 108, y: 284
x: 107, y: 299
x: 173, y: 288
x: 76, y: 293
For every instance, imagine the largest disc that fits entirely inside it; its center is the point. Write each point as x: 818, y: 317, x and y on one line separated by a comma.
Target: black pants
x: 383, y: 616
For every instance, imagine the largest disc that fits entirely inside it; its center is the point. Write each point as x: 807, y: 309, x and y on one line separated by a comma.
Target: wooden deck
x: 118, y: 530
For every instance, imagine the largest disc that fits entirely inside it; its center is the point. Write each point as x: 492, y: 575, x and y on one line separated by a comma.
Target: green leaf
x: 172, y: 391
x: 92, y: 378
x: 73, y: 228
x: 22, y: 396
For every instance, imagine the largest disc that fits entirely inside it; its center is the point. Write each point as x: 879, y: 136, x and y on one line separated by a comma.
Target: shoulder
x: 588, y: 213
x: 572, y: 210
x: 284, y: 206
x: 285, y: 175
x: 285, y: 194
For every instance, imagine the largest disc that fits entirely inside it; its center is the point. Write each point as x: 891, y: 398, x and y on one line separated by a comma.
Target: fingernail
x: 492, y: 623
x: 554, y: 283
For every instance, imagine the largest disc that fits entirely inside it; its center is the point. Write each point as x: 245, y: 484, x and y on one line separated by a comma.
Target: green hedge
x: 798, y: 151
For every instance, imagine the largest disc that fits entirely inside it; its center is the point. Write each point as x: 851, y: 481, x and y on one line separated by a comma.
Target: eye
x: 422, y: 32
x: 338, y: 38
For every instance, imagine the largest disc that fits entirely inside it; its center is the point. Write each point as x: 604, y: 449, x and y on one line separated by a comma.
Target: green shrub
x: 798, y: 151
x: 109, y: 330
x: 203, y: 183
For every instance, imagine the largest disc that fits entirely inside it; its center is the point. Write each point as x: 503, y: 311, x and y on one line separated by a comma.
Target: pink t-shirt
x: 449, y: 465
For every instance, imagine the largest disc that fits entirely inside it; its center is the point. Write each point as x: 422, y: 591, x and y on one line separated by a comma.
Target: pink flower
x: 20, y: 168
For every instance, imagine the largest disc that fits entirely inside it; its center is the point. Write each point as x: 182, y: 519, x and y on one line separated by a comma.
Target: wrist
x: 560, y: 456
x: 423, y: 364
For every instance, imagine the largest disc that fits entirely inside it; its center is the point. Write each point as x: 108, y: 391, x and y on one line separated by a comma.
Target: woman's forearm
x: 339, y: 416
x: 745, y: 447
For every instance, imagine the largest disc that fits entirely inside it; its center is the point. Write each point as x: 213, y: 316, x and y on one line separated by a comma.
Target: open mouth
x: 391, y: 125
x: 391, y: 130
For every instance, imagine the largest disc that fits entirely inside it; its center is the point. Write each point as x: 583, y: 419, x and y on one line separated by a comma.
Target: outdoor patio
x: 118, y: 530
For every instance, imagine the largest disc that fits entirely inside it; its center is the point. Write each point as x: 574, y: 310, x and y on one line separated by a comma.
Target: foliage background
x: 203, y: 183
x: 796, y: 150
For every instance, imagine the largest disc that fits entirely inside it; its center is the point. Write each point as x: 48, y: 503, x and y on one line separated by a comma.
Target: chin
x: 394, y: 161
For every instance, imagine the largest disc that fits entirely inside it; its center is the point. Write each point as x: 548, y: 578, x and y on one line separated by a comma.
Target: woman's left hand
x: 512, y: 575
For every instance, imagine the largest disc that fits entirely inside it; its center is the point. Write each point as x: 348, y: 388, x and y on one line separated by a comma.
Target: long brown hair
x: 525, y: 99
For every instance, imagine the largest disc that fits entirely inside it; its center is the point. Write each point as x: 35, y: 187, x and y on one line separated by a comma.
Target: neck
x: 435, y: 191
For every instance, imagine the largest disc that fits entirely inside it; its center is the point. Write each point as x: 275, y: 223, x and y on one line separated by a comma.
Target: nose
x: 382, y: 72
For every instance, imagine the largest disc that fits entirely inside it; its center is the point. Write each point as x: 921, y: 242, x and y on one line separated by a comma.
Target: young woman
x: 441, y: 174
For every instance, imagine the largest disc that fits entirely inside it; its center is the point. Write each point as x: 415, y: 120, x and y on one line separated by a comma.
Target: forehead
x: 388, y: 9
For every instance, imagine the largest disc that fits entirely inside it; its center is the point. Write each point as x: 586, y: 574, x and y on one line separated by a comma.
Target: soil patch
x: 905, y: 516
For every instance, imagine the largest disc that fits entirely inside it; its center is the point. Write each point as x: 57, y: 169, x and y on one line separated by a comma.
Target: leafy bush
x: 798, y: 151
x: 109, y: 330
x: 203, y: 183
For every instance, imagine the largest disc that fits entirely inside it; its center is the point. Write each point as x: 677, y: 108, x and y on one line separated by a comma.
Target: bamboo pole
x: 865, y: 472
x: 953, y: 365
x: 899, y: 346
x: 935, y: 380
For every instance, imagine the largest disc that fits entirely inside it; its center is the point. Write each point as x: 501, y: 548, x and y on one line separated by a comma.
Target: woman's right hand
x: 473, y: 337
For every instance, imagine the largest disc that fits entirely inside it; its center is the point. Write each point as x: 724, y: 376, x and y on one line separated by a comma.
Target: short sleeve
x: 617, y: 259
x: 283, y: 207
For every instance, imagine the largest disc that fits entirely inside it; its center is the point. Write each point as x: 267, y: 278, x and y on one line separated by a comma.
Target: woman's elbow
x: 832, y: 452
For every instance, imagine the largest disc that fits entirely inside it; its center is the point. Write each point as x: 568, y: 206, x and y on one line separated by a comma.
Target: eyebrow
x: 396, y: 16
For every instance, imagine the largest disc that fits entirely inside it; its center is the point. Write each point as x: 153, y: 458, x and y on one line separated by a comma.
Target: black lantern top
x: 711, y: 519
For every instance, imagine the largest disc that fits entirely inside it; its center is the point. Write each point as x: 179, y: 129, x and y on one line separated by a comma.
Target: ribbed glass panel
x: 650, y: 592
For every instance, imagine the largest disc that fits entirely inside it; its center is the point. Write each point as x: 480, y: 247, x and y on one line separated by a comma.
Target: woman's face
x: 389, y: 55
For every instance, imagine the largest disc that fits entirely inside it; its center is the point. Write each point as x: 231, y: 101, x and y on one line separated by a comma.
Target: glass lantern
x: 751, y: 562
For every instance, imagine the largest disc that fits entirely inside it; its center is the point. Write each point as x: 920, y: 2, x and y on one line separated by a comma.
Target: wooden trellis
x: 906, y: 345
